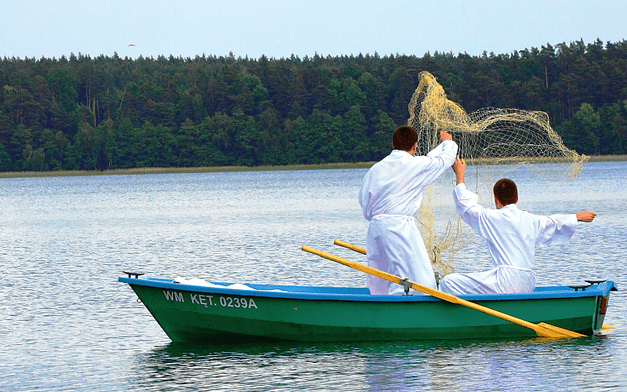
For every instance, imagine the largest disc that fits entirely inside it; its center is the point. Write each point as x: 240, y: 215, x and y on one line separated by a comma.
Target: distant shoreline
x: 219, y: 169
x: 172, y: 170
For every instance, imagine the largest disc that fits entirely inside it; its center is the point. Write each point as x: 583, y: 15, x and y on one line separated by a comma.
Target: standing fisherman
x: 390, y: 196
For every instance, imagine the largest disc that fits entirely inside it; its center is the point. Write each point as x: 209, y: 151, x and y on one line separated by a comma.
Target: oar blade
x: 551, y: 331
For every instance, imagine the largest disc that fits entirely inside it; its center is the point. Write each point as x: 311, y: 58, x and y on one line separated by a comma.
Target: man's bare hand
x: 459, y: 167
x: 585, y: 216
x: 445, y: 136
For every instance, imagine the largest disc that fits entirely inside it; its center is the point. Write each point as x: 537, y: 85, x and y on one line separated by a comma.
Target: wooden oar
x: 542, y: 329
x: 350, y: 246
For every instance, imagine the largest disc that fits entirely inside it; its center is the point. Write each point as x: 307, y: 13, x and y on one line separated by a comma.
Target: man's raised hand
x: 459, y: 167
x: 445, y: 136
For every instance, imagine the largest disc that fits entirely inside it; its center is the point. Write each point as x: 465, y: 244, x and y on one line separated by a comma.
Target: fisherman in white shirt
x: 390, y: 196
x: 512, y: 236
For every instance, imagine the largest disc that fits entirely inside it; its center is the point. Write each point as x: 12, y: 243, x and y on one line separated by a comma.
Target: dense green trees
x: 109, y: 112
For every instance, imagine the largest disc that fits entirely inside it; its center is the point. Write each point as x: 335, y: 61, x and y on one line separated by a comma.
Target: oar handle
x: 350, y: 246
x: 541, y: 329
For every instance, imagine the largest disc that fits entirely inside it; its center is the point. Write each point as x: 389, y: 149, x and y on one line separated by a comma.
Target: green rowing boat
x: 198, y: 311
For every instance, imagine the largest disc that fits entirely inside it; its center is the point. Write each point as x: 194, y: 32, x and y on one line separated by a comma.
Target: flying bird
x: 131, y: 44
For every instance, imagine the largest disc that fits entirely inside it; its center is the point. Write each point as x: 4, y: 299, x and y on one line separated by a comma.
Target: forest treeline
x: 86, y: 113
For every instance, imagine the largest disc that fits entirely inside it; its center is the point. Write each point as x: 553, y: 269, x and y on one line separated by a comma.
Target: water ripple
x: 69, y: 325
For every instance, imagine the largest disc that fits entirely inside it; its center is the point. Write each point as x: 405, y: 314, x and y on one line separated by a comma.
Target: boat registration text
x: 212, y: 300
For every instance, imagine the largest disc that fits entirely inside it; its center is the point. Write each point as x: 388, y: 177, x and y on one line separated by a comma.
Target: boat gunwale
x: 351, y: 293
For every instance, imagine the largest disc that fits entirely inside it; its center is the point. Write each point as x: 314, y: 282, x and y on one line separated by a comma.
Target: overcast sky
x: 280, y: 28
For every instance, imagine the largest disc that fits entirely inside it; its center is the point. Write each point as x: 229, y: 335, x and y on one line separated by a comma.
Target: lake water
x: 68, y: 324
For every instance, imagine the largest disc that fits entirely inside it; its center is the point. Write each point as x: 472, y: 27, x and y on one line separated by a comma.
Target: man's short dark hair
x: 506, y: 192
x: 404, y: 138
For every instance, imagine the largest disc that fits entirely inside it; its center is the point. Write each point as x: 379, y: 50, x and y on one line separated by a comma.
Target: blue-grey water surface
x: 67, y: 324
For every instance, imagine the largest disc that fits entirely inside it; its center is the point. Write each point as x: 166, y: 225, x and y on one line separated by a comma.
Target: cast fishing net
x: 493, y: 142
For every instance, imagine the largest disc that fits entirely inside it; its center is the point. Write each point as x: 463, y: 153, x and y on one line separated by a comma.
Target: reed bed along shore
x: 170, y: 170
x: 216, y: 169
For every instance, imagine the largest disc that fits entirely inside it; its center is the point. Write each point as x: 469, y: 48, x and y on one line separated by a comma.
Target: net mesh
x: 494, y: 142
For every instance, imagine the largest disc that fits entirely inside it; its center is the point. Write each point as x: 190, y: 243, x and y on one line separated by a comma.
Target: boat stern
x: 602, y: 304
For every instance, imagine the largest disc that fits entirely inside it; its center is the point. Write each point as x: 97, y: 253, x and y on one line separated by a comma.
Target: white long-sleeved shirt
x: 390, y: 195
x: 512, y: 236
